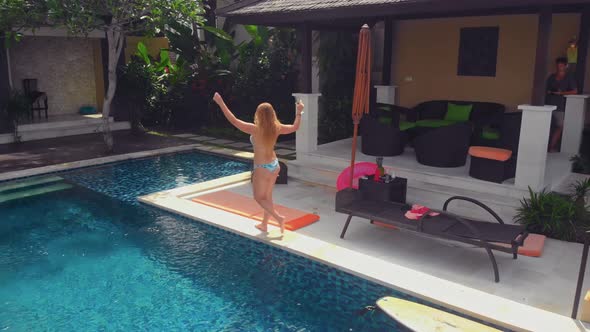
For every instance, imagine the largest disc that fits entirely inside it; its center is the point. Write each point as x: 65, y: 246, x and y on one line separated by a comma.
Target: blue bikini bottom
x: 271, y: 167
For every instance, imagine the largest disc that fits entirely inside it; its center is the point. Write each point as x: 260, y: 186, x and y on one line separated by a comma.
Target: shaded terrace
x: 393, y: 82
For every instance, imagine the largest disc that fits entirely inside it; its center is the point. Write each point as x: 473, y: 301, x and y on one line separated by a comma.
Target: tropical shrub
x: 581, y: 164
x: 155, y: 87
x: 208, y: 72
x: 138, y: 91
x: 265, y: 72
x: 262, y: 69
x: 16, y: 109
x: 580, y: 197
x: 337, y: 65
x: 555, y: 215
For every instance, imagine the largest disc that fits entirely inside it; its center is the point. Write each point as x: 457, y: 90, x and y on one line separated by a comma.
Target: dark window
x: 478, y: 51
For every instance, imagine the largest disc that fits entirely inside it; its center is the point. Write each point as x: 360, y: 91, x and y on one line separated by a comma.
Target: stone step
x: 62, y: 124
x: 34, y: 191
x: 28, y: 183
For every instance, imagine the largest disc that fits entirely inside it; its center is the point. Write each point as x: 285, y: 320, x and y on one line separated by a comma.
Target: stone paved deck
x: 47, y: 152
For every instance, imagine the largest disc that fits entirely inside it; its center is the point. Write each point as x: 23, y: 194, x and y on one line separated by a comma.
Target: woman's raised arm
x: 244, y: 126
x: 288, y: 129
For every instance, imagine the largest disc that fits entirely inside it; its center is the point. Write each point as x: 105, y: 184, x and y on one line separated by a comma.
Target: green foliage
x: 334, y: 120
x: 265, y: 73
x: 580, y: 189
x: 579, y: 195
x: 337, y: 64
x: 152, y: 88
x: 246, y: 74
x: 18, y: 106
x: 139, y: 88
x: 147, y: 16
x: 16, y: 15
x: 558, y: 216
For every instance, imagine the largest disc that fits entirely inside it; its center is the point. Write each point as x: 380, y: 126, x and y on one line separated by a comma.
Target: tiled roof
x: 291, y: 12
x: 288, y: 6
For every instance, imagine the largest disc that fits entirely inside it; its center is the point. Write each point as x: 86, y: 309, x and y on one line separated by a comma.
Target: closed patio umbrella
x: 360, y: 101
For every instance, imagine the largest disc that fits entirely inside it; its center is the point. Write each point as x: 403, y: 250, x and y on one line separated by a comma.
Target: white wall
x: 64, y: 68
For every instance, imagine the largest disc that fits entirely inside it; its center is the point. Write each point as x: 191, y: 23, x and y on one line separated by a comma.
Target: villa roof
x: 290, y: 12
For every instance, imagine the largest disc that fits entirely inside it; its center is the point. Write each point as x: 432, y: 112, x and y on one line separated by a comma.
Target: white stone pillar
x: 306, y: 139
x: 386, y: 94
x: 573, y: 124
x: 532, y: 149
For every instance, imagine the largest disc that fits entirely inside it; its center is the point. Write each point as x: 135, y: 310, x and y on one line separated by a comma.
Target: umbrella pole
x: 353, y: 155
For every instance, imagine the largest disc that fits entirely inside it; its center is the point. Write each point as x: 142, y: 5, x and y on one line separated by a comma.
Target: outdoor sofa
x: 445, y: 146
x: 380, y: 132
x: 441, y: 131
x: 485, y: 117
x: 489, y: 236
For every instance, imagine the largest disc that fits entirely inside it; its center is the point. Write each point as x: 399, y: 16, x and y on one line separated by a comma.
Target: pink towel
x: 418, y: 211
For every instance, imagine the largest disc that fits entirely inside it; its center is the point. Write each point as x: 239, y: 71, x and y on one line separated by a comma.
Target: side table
x: 380, y: 191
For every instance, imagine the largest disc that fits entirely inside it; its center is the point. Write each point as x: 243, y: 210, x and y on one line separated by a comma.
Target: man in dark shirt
x: 559, y: 84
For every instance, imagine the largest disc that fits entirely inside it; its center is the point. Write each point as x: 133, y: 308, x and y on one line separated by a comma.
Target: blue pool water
x: 126, y: 181
x: 90, y: 258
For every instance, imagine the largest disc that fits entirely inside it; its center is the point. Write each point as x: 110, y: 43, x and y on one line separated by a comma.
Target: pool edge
x: 63, y: 167
x: 499, y: 311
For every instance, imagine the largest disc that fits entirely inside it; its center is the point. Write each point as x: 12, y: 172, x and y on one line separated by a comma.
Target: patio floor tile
x: 239, y: 145
x: 202, y: 138
x: 185, y: 135
x: 220, y: 141
x: 284, y: 152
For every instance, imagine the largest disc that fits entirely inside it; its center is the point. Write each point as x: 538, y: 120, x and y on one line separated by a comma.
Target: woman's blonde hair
x: 267, y: 123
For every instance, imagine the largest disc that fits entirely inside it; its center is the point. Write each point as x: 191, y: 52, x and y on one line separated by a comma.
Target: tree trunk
x: 115, y: 40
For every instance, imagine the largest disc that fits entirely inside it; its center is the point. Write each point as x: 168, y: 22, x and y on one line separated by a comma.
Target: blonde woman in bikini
x: 263, y: 134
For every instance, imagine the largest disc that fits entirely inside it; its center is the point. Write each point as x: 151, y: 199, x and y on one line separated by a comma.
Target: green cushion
x: 405, y: 125
x: 490, y: 133
x: 434, y: 123
x: 384, y: 120
x: 458, y: 113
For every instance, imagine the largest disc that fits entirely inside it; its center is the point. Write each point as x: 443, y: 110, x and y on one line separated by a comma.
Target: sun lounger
x: 446, y: 225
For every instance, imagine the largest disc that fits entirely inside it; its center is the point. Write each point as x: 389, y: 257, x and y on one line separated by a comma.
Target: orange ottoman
x: 491, y: 164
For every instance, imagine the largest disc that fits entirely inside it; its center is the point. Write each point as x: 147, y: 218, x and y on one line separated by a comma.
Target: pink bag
x: 418, y: 211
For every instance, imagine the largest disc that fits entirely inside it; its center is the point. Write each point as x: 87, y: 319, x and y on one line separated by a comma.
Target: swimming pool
x: 88, y: 257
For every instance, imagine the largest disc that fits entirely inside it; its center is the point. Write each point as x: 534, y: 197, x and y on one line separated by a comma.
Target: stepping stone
x: 239, y: 145
x: 284, y: 152
x: 185, y: 135
x: 202, y: 138
x: 220, y: 141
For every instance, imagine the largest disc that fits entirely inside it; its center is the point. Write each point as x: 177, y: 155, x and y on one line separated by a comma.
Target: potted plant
x: 580, y: 197
x: 17, y: 108
x: 559, y: 216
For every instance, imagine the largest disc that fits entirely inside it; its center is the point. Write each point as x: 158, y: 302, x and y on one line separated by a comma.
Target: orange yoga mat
x: 247, y: 207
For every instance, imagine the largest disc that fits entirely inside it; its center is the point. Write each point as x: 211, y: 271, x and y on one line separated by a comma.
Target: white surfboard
x: 421, y: 318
